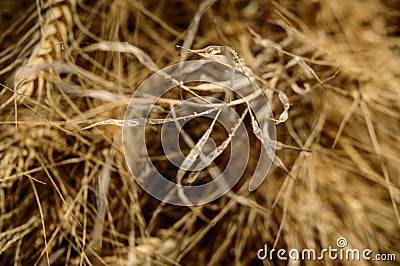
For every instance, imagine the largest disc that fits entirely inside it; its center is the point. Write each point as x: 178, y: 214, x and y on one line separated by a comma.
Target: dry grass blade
x: 222, y: 147
x: 195, y: 152
x: 124, y: 48
x: 42, y: 219
x: 377, y: 148
x: 102, y: 191
x: 193, y: 27
x: 24, y: 73
x: 148, y: 121
x: 349, y: 113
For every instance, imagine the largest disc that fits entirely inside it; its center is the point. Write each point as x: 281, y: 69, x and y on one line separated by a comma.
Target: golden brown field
x: 68, y: 69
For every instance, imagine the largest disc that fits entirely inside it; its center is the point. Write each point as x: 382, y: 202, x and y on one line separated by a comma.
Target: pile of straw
x: 67, y: 196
